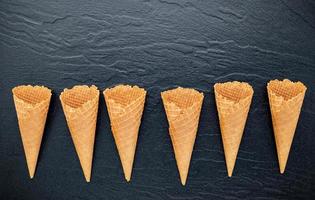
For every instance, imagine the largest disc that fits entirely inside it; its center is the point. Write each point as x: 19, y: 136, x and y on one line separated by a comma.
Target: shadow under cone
x: 31, y: 104
x: 233, y: 101
x: 80, y: 106
x: 285, y: 100
x: 125, y: 106
x: 182, y: 107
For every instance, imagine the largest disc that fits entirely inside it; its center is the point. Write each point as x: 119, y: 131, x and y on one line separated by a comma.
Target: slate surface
x: 157, y: 44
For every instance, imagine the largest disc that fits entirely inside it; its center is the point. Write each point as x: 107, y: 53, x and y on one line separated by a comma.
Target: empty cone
x: 285, y: 100
x: 125, y: 106
x: 233, y: 101
x: 80, y: 106
x: 182, y: 107
x: 31, y: 104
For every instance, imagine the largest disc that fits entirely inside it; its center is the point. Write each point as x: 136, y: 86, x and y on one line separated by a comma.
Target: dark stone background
x: 157, y: 44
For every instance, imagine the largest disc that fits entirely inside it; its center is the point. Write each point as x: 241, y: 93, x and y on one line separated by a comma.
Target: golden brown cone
x: 233, y: 101
x: 182, y: 107
x: 125, y: 106
x: 285, y: 100
x: 80, y: 106
x: 31, y: 104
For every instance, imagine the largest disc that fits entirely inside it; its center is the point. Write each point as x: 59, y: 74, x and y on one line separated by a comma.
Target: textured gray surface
x: 157, y: 44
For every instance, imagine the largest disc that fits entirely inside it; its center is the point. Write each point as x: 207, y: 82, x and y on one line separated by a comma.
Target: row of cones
x: 233, y: 101
x: 80, y: 105
x: 125, y: 106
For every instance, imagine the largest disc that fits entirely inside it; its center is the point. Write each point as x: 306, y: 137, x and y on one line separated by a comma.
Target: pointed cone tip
x: 127, y: 175
x: 282, y: 169
x: 127, y: 171
x: 127, y: 179
x: 183, y: 181
x: 31, y: 170
x: 88, y: 179
x: 183, y: 175
x: 86, y: 171
x: 230, y: 173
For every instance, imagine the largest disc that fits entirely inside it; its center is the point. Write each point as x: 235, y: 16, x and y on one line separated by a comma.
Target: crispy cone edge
x: 81, y: 115
x: 125, y: 105
x: 233, y: 101
x: 32, y: 115
x: 285, y: 101
x: 182, y: 107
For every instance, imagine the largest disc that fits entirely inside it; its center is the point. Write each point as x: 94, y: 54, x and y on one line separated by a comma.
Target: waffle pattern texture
x: 285, y: 100
x: 233, y: 101
x: 125, y: 106
x: 182, y: 107
x: 80, y: 106
x: 31, y: 104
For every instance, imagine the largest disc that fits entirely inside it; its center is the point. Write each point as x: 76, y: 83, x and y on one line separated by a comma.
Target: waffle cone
x: 182, y: 107
x: 285, y: 100
x: 125, y: 106
x: 31, y: 104
x: 233, y: 101
x: 80, y: 106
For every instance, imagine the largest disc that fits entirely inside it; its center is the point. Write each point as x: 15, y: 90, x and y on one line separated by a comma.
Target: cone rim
x: 88, y: 102
x: 131, y: 87
x: 166, y: 93
x: 123, y: 85
x: 284, y: 81
x: 108, y: 98
x: 32, y: 87
x: 244, y: 85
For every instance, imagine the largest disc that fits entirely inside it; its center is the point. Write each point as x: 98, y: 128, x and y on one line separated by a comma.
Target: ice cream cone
x: 125, y: 106
x: 285, y: 100
x: 233, y: 101
x: 182, y: 107
x: 31, y: 104
x: 80, y: 106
